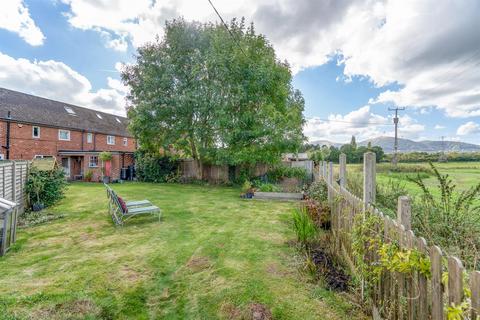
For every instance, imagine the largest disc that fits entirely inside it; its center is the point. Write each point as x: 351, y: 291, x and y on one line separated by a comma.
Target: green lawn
x: 213, y: 256
x: 463, y: 174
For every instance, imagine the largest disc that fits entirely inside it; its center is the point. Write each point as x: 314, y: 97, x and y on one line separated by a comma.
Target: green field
x: 214, y: 256
x: 463, y: 174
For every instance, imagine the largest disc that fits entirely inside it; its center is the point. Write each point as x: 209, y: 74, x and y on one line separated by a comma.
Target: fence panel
x: 397, y: 294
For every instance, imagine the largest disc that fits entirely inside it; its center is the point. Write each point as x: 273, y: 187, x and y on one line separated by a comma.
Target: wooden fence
x: 13, y: 176
x: 408, y: 294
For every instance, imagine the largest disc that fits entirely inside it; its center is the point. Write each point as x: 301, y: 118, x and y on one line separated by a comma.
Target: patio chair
x: 121, y: 211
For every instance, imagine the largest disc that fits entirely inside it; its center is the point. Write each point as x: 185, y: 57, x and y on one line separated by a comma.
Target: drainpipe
x: 83, y: 133
x: 9, y: 119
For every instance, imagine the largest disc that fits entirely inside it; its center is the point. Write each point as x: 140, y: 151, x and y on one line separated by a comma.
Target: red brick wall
x: 24, y: 146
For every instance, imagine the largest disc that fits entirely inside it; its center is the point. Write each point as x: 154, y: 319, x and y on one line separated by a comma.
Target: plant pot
x: 249, y: 195
x: 106, y: 179
x: 38, y: 206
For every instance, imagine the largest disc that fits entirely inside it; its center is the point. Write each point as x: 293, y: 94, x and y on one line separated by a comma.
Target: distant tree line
x: 436, y: 156
x: 353, y: 152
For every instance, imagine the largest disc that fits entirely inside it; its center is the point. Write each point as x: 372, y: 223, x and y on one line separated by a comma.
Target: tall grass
x: 304, y: 228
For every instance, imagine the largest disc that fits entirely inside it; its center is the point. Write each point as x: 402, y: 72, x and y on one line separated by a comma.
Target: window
x: 64, y: 135
x: 125, y: 142
x: 110, y: 139
x: 99, y: 116
x: 41, y: 156
x: 93, y: 163
x: 89, y: 137
x: 35, y: 132
x: 70, y: 111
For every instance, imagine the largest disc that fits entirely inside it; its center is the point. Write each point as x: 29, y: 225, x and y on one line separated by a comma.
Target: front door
x: 66, y: 166
x: 108, y: 168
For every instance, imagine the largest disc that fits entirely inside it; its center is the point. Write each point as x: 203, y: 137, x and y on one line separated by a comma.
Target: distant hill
x: 406, y: 145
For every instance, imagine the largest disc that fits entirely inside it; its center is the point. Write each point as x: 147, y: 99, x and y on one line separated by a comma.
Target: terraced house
x: 34, y: 127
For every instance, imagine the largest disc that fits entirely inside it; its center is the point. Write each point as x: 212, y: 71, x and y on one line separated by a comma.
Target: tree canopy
x: 203, y: 94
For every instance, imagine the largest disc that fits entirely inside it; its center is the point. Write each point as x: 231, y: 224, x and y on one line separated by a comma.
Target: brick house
x: 33, y: 127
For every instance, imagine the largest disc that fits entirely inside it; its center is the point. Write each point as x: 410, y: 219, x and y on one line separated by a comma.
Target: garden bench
x: 121, y: 212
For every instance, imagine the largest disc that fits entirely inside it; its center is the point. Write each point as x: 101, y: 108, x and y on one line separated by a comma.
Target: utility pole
x: 395, y: 143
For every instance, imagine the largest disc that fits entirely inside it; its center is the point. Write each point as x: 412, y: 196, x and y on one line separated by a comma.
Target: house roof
x: 36, y: 110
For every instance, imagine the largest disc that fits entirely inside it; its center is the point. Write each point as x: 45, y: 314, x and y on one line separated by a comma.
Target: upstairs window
x: 70, y: 111
x: 89, y: 137
x: 36, y: 132
x: 93, y: 163
x: 111, y: 140
x: 64, y: 135
x: 125, y: 142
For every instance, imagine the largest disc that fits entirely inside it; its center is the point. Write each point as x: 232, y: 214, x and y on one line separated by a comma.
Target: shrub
x: 155, y: 168
x: 268, y: 187
x: 304, y: 227
x: 89, y: 175
x: 45, y: 188
x: 246, y: 186
x: 451, y: 220
x: 277, y: 173
x: 105, y: 156
x: 318, y: 191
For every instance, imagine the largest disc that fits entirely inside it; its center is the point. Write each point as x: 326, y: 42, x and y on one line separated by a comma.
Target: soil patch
x: 259, y: 312
x: 198, y: 263
x: 334, y: 276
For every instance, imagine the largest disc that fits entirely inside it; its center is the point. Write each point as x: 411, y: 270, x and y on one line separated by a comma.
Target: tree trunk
x: 196, y: 157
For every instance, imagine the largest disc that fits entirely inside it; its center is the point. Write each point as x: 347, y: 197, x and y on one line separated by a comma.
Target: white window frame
x: 59, y: 134
x: 111, y: 142
x: 125, y: 142
x: 42, y: 156
x: 33, y: 132
x: 89, y: 137
x: 90, y: 162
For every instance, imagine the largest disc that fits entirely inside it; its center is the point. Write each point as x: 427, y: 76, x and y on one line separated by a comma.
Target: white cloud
x: 56, y: 80
x: 430, y: 48
x: 439, y: 127
x: 15, y: 17
x: 468, y: 128
x: 361, y: 123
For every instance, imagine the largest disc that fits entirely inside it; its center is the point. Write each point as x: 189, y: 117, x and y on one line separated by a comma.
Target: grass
x: 212, y: 257
x: 463, y: 174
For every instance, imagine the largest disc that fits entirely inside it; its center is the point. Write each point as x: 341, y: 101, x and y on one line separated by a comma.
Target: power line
x: 226, y: 27
x: 352, y: 122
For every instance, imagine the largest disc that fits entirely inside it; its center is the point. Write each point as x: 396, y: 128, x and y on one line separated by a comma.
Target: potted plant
x: 89, y: 175
x: 104, y: 157
x: 37, y: 187
x: 248, y: 190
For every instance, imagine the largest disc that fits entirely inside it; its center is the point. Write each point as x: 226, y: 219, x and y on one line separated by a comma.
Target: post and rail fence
x: 414, y: 294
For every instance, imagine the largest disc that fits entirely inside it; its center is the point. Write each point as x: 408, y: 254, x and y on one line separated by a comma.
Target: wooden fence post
x: 324, y: 169
x: 404, y: 212
x: 369, y: 177
x: 343, y: 170
x: 437, y: 294
x: 14, y: 181
x: 455, y: 281
x: 475, y: 288
x: 330, y: 182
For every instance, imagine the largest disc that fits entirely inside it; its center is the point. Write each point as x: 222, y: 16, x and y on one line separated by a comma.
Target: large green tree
x: 219, y: 100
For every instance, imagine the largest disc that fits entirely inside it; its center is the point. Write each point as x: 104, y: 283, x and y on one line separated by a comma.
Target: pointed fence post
x: 369, y: 177
x: 343, y: 170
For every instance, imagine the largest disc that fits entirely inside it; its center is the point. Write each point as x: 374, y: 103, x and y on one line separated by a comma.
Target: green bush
x: 318, y: 191
x: 268, y: 187
x: 45, y: 187
x: 279, y: 172
x: 450, y: 219
x: 155, y: 168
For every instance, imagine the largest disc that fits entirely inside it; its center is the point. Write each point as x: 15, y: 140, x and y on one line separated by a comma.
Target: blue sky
x: 349, y: 70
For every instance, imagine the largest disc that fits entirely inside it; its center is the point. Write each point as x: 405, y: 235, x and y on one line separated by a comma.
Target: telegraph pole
x: 395, y: 143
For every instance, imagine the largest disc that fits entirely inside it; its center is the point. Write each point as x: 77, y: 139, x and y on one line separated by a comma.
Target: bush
x: 268, y: 187
x: 45, y: 188
x: 318, y: 191
x: 279, y: 172
x: 155, y: 168
x: 450, y: 220
x: 89, y: 175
